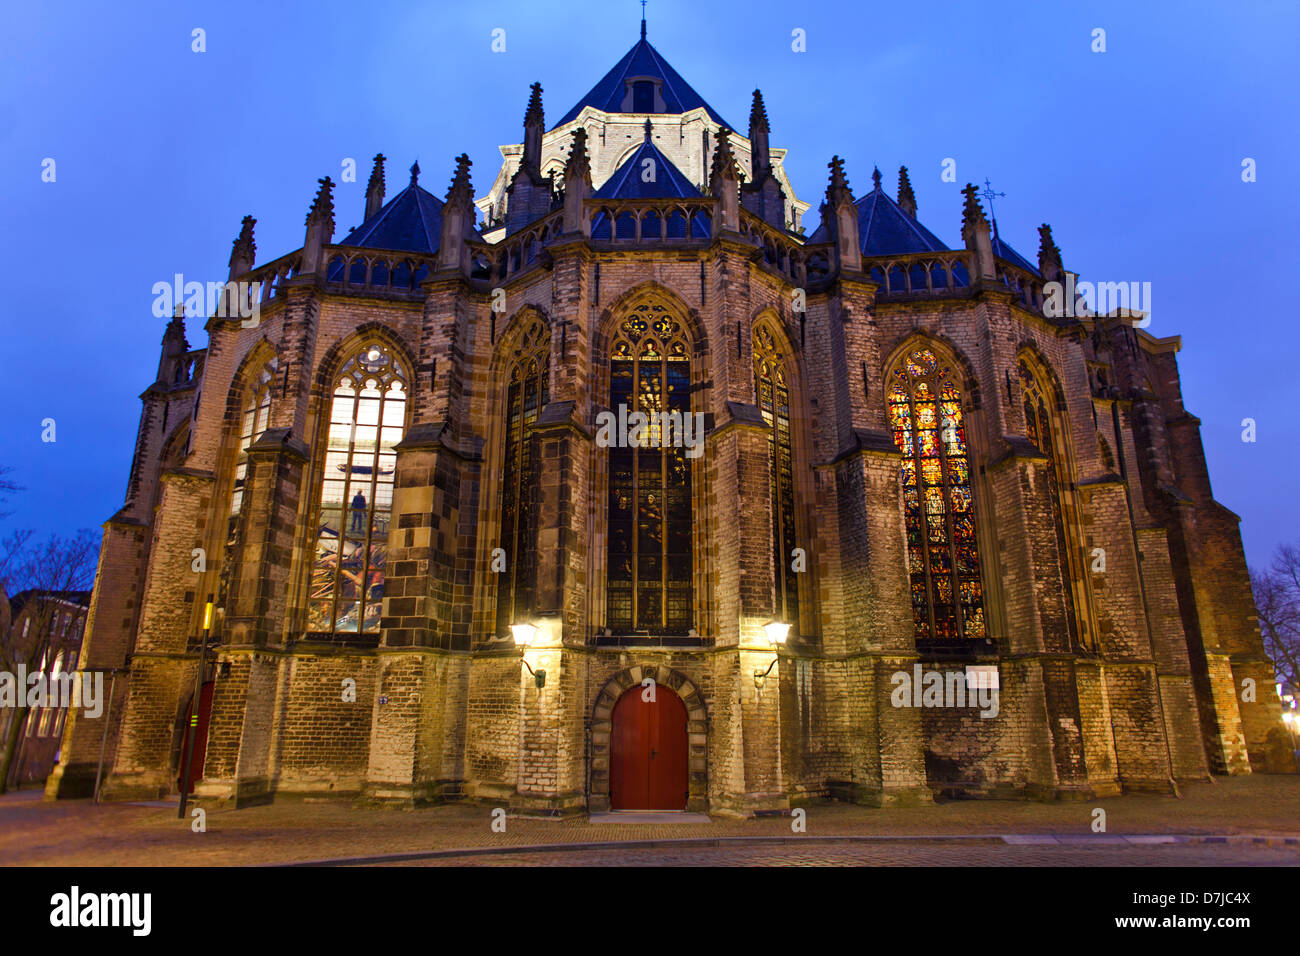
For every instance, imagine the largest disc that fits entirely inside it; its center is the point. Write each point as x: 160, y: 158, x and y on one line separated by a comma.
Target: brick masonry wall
x: 462, y: 717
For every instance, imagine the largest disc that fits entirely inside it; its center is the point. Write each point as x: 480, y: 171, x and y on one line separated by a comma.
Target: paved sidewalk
x: 1240, y: 814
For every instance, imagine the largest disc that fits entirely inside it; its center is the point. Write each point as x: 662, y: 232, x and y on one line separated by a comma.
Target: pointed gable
x: 885, y: 230
x: 643, y: 60
x: 628, y: 182
x: 411, y: 222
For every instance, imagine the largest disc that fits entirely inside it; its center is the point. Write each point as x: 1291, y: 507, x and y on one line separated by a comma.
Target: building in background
x: 904, y: 465
x: 37, y: 750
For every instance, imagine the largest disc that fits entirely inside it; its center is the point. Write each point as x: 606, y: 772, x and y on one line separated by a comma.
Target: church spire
x: 642, y: 19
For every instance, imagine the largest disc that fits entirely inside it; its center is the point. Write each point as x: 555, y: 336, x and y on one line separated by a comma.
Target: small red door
x: 200, y: 738
x: 648, y: 752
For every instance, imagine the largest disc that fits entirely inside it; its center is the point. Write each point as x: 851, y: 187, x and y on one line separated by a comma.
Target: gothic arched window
x: 527, y: 391
x: 367, y: 415
x: 648, y: 582
x: 942, y: 554
x: 1039, y: 430
x: 774, y: 402
x: 256, y: 416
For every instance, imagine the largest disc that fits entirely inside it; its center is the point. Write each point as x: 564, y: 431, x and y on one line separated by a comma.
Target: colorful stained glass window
x: 1039, y: 430
x: 527, y: 391
x: 366, y: 420
x: 925, y: 415
x: 774, y: 401
x: 649, y: 575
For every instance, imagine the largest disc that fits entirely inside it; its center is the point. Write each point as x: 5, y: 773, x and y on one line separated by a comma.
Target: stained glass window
x: 1038, y: 429
x: 925, y: 414
x: 367, y: 416
x: 526, y: 394
x: 648, y: 582
x: 774, y: 402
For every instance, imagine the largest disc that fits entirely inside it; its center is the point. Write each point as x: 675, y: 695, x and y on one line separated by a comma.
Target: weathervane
x: 989, y: 195
x: 642, y: 19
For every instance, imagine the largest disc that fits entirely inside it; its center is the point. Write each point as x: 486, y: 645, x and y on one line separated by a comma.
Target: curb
x: 1027, y: 839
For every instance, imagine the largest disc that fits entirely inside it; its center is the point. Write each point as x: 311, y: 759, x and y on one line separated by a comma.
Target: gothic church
x: 432, y: 579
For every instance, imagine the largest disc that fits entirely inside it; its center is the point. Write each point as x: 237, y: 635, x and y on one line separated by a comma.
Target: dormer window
x: 643, y: 94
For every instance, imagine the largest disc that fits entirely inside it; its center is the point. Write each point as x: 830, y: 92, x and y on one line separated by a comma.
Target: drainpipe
x: 103, y: 741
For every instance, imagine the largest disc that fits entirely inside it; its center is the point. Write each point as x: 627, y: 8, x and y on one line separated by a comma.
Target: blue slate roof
x: 642, y: 60
x: 411, y: 222
x: 885, y: 230
x: 626, y: 183
x: 1004, y: 251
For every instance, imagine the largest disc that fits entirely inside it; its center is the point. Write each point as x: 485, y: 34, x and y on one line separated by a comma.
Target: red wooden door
x: 200, y: 738
x: 648, y: 752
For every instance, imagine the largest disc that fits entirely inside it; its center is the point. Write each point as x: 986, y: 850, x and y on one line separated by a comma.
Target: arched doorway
x: 648, y: 758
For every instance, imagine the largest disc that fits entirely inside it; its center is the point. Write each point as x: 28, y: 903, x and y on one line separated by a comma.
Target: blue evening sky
x: 1133, y: 155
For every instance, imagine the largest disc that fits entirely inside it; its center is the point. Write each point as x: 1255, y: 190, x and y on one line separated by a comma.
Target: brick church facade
x: 902, y: 461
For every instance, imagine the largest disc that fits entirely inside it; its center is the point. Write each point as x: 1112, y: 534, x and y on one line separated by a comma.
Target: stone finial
x: 577, y: 184
x: 724, y: 160
x: 375, y: 188
x: 1049, y: 255
x: 975, y: 233
x: 758, y: 114
x: 648, y: 129
x: 578, y: 164
x: 461, y: 190
x: 322, y: 207
x: 320, y: 227
x: 875, y: 177
x: 838, y: 189
x: 244, y: 253
x: 534, y: 127
x: 534, y: 112
x: 972, y: 212
x: 906, y: 198
x: 415, y: 172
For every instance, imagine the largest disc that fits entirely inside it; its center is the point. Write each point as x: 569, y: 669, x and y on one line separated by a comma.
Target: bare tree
x: 44, y: 575
x: 1277, y: 595
x: 7, y: 487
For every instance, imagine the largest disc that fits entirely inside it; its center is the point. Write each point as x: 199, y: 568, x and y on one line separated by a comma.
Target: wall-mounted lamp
x: 524, y: 635
x: 777, y: 632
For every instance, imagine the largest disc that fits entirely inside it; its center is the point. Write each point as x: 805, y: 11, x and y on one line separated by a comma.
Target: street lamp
x: 196, y: 708
x: 777, y: 632
x: 524, y: 635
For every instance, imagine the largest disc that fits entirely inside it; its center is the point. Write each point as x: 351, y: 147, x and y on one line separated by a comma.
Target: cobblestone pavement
x: 77, y: 833
x: 893, y: 854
